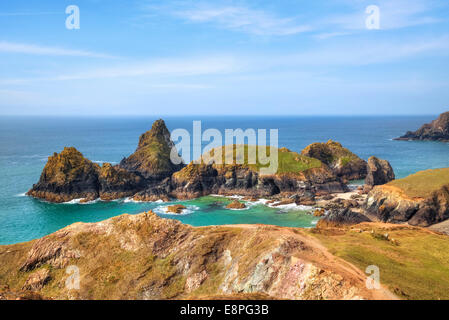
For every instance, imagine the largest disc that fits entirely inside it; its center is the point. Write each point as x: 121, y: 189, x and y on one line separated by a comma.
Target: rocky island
x: 437, y: 130
x: 149, y: 174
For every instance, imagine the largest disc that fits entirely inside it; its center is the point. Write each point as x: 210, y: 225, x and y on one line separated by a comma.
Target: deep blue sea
x: 26, y: 142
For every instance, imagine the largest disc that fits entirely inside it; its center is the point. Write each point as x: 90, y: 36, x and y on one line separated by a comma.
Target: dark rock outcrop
x: 341, y: 218
x: 437, y: 130
x: 67, y: 176
x: 343, y: 162
x: 115, y: 182
x: 379, y: 172
x: 151, y: 160
x: 199, y: 180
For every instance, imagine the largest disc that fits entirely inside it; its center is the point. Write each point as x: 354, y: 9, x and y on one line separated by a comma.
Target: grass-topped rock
x: 152, y: 158
x: 341, y: 160
x: 420, y: 199
x: 295, y: 173
x: 67, y: 176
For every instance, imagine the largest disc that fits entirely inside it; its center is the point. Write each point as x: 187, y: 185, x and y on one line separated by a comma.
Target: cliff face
x: 151, y: 160
x: 421, y: 199
x: 296, y: 174
x: 437, y: 130
x: 116, y: 182
x: 68, y: 176
x: 343, y: 162
x: 146, y: 257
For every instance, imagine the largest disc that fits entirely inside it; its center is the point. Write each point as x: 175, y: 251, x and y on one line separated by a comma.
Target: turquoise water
x: 26, y: 142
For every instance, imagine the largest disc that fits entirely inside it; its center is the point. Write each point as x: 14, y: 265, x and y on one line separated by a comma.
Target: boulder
x: 379, y: 172
x: 236, y: 205
x: 177, y: 208
x: 341, y: 218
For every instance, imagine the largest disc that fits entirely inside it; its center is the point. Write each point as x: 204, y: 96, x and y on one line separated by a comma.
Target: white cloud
x: 157, y: 68
x: 243, y: 19
x: 173, y: 72
x: 12, y: 47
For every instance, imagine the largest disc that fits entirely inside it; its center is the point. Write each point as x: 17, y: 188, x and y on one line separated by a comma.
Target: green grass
x: 330, y: 153
x: 423, y: 183
x: 416, y: 267
x: 288, y: 161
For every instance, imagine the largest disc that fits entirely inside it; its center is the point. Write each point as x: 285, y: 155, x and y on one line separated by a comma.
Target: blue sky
x: 143, y: 57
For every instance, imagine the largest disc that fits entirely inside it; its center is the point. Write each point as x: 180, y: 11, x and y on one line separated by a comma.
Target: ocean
x: 26, y: 143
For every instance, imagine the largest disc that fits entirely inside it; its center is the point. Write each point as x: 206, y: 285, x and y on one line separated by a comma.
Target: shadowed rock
x: 116, y: 182
x: 341, y: 217
x: 379, y: 172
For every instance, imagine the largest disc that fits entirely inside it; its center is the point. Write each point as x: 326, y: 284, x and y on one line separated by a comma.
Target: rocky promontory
x: 421, y: 199
x: 437, y: 130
